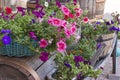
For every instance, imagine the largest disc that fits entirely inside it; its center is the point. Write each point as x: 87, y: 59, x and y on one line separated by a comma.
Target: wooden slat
x: 46, y: 68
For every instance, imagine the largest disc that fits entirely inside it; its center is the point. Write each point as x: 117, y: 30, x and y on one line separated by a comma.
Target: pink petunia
x: 64, y: 23
x: 61, y: 46
x: 50, y: 20
x: 78, y: 11
x: 85, y: 19
x: 65, y: 10
x: 73, y: 30
x: 67, y: 33
x: 43, y: 43
x: 56, y: 22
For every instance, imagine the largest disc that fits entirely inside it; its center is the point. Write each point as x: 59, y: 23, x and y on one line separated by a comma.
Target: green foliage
x: 85, y: 47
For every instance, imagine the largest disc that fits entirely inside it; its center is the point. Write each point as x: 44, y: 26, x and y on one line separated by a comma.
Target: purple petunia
x: 39, y: 13
x: 87, y: 62
x: 97, y: 22
x: 114, y: 28
x: 22, y: 10
x: 5, y: 31
x: 32, y: 35
x: 74, y: 1
x: 78, y: 59
x: 67, y: 65
x: 58, y: 4
x: 6, y: 39
x: 33, y: 20
x: 98, y: 45
x: 44, y: 56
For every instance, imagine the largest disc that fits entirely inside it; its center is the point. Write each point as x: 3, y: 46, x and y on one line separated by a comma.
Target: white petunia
x: 46, y: 4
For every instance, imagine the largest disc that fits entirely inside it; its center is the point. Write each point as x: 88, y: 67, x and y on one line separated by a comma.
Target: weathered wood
x: 89, y: 5
x: 46, y: 68
x: 10, y: 73
x: 100, y: 5
x: 20, y: 66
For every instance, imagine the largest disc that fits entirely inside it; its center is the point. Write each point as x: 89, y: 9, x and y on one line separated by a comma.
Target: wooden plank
x: 46, y: 68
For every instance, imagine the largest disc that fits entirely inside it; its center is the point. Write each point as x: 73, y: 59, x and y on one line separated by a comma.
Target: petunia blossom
x: 56, y: 22
x: 85, y: 20
x: 67, y: 65
x: 64, y: 23
x: 6, y: 40
x: 44, y: 56
x: 58, y: 4
x: 32, y: 35
x: 21, y: 10
x: 8, y: 10
x: 61, y: 46
x: 78, y: 11
x: 78, y: 59
x: 43, y: 43
x: 73, y: 28
x: 65, y: 10
x: 71, y: 15
x: 5, y: 31
x: 67, y: 33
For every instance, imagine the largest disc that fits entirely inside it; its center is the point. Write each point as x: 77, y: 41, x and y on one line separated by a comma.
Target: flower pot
x: 17, y: 50
x: 52, y: 72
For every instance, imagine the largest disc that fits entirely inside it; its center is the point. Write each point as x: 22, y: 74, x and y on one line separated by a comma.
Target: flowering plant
x: 51, y: 27
x: 70, y: 66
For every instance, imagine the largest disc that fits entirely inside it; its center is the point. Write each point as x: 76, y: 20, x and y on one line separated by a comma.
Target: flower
x: 78, y: 59
x: 67, y: 65
x: 61, y: 46
x: 56, y: 22
x: 46, y: 4
x: 32, y: 35
x: 67, y: 33
x: 8, y: 10
x: 71, y: 15
x: 98, y: 45
x: 65, y: 10
x: 85, y: 20
x: 114, y: 28
x: 43, y: 43
x: 73, y: 28
x: 5, y: 31
x: 74, y: 1
x: 64, y: 23
x: 6, y: 40
x: 78, y: 11
x: 58, y: 4
x: 44, y: 56
x: 22, y: 10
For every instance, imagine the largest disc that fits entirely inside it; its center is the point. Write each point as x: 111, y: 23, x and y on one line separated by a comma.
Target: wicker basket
x: 17, y: 50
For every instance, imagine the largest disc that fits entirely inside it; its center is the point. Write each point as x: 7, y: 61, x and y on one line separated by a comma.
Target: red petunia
x: 8, y: 10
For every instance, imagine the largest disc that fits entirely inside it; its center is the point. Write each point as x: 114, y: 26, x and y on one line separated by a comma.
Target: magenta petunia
x: 64, y: 23
x: 78, y: 11
x: 65, y: 10
x: 85, y: 19
x: 56, y: 22
x: 32, y: 35
x: 44, y: 56
x: 50, y: 20
x: 43, y: 43
x: 73, y: 28
x: 61, y: 46
x: 67, y: 33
